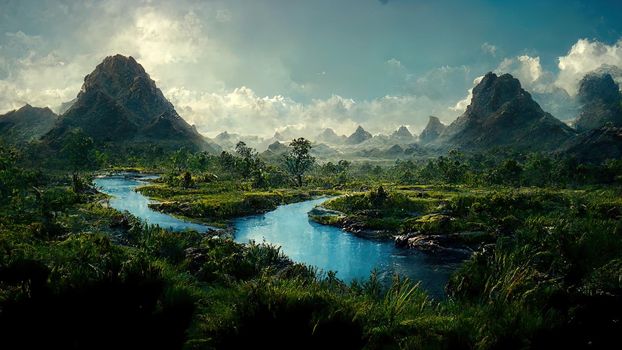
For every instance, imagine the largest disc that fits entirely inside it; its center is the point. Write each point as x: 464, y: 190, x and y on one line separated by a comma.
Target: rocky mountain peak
x: 402, y: 132
x: 601, y: 102
x: 358, y: 136
x: 502, y: 113
x: 432, y: 130
x: 494, y: 91
x: 126, y: 81
x: 120, y: 104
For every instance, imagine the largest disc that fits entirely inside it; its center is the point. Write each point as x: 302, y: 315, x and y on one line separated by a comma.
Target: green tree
x: 180, y: 159
x: 298, y: 160
x: 248, y: 156
x: 78, y: 148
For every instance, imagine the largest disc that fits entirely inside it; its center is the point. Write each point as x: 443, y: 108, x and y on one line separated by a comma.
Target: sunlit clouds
x: 258, y: 67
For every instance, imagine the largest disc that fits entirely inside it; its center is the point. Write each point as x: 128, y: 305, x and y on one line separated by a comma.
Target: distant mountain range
x: 119, y: 104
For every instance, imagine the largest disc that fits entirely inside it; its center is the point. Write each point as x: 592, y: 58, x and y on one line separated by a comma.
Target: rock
x: 450, y: 243
x: 319, y: 211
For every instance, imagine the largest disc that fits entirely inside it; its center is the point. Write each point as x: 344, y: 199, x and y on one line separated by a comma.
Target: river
x: 326, y: 247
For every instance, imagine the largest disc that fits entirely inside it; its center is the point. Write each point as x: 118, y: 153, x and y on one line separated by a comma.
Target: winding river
x: 325, y: 247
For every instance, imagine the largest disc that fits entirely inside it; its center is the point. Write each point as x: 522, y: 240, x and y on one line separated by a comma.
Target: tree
x: 79, y: 150
x: 180, y: 159
x: 248, y: 156
x: 298, y: 160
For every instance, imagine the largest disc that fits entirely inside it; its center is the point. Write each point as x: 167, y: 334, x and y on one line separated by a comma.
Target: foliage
x: 298, y: 161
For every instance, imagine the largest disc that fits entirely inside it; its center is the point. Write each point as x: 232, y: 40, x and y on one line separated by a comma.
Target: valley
x: 502, y: 229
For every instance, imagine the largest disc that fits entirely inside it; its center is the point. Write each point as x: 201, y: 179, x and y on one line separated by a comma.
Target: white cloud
x: 395, y: 63
x: 242, y: 111
x: 585, y: 56
x: 528, y: 70
x: 461, y: 105
x: 30, y: 74
x: 157, y: 39
x: 489, y: 49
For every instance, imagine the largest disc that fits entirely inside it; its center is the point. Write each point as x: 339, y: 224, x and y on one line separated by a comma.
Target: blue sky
x: 255, y: 66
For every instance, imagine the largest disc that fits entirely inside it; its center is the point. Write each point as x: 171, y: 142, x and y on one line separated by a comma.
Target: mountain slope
x: 119, y: 103
x: 358, y: 136
x: 502, y: 113
x: 26, y: 124
x: 595, y: 145
x: 329, y: 136
x: 601, y: 102
x: 432, y: 130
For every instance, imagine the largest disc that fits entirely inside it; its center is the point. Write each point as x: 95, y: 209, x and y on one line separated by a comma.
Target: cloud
x: 31, y: 74
x: 526, y: 68
x: 395, y: 63
x: 384, y: 2
x: 489, y: 49
x: 241, y: 110
x: 583, y: 57
x: 157, y: 39
x: 461, y: 105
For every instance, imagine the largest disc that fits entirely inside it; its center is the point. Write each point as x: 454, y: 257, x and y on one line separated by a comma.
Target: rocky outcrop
x: 432, y: 131
x: 502, y: 113
x: 601, y: 102
x: 453, y: 243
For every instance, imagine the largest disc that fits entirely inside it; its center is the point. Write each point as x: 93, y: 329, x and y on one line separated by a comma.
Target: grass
x: 72, y: 271
x: 218, y: 202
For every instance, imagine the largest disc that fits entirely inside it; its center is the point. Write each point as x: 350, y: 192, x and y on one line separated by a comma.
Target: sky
x: 257, y: 66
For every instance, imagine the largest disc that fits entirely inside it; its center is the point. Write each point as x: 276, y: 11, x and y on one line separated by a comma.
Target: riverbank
x: 217, y: 203
x: 441, y: 219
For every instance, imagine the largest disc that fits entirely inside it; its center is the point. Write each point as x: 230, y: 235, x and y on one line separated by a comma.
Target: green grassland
x: 75, y: 274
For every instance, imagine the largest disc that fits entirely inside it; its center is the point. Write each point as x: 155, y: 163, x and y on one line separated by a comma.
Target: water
x: 326, y: 247
x: 124, y: 198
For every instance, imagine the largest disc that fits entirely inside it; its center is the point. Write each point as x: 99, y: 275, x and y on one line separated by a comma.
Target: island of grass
x: 216, y: 203
x: 436, y: 218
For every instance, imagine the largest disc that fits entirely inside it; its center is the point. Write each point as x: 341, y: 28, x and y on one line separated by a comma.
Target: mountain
x: 402, y: 134
x: 26, y: 124
x: 119, y: 103
x: 329, y: 136
x: 275, y: 150
x: 358, y: 136
x: 432, y: 130
x: 601, y: 102
x: 502, y: 113
x: 595, y: 145
x: 228, y: 141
